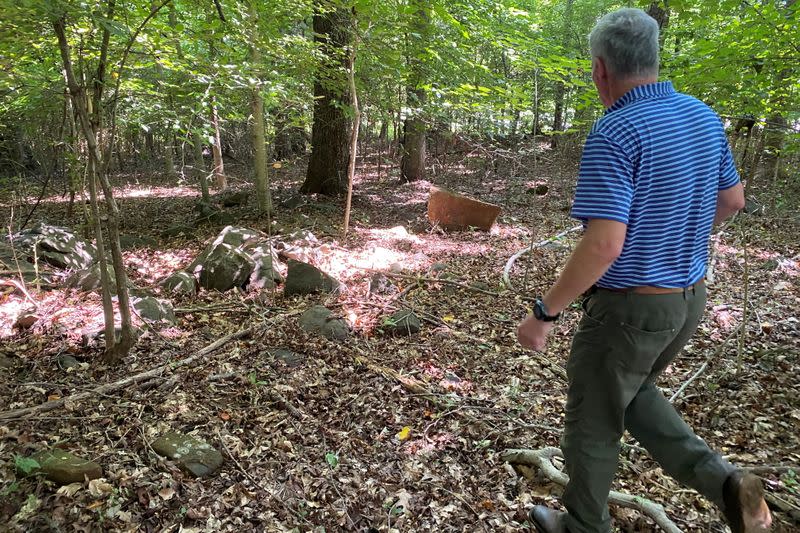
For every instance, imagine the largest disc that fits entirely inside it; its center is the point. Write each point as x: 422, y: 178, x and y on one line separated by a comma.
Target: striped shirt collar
x: 643, y: 92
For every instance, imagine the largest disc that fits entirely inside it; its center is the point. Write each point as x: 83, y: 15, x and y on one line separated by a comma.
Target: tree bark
x: 560, y: 87
x: 330, y: 133
x: 91, y: 124
x: 263, y: 197
x: 351, y: 166
x: 220, y: 180
x: 200, y: 165
x: 412, y: 165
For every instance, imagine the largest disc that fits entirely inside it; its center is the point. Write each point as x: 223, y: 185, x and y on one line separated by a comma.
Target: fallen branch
x: 779, y: 504
x: 703, y: 367
x: 543, y: 460
x: 513, y: 258
x: 51, y: 405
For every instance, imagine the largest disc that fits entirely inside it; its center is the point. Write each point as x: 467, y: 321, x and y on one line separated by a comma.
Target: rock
x: 302, y: 278
x: 88, y: 280
x: 454, y: 211
x: 180, y: 283
x: 290, y: 358
x: 318, y: 320
x: 482, y: 285
x: 130, y: 242
x: 56, y: 246
x: 222, y: 218
x: 6, y: 362
x: 26, y: 321
x: 438, y: 267
x: 294, y: 201
x: 193, y: 455
x: 752, y: 207
x: 265, y: 274
x: 178, y: 230
x: 238, y: 237
x: 538, y: 190
x: 64, y: 468
x: 66, y: 361
x: 234, y: 199
x: 154, y: 310
x: 555, y: 246
x: 403, y: 322
x: 204, y: 209
x: 224, y: 268
x: 380, y: 284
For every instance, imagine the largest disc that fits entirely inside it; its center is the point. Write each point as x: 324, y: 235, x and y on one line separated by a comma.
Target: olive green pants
x: 624, y: 341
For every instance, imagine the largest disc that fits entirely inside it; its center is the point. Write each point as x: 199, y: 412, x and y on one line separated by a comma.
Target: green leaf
x: 332, y: 459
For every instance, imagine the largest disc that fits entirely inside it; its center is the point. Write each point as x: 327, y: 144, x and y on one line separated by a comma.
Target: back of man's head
x: 627, y: 40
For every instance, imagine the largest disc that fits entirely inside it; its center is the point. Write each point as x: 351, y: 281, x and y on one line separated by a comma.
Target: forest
x: 262, y: 262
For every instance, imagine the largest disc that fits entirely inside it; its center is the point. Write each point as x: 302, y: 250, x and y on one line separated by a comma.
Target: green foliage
x: 26, y: 465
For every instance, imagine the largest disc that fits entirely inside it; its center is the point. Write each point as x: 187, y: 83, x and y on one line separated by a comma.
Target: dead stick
x: 543, y: 460
x: 15, y: 414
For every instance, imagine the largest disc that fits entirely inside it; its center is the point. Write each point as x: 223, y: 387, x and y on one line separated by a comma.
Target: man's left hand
x: 532, y: 333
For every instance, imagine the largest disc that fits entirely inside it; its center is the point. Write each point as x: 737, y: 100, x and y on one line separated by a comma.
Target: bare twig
x: 513, y: 258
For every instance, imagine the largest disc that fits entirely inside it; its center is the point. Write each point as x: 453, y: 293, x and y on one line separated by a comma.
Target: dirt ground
x: 380, y: 433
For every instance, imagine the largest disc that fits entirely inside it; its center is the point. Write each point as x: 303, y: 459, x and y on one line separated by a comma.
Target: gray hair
x: 627, y: 40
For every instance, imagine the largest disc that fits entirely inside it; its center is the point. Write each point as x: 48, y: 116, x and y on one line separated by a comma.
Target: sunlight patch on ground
x: 151, y: 266
x: 132, y: 191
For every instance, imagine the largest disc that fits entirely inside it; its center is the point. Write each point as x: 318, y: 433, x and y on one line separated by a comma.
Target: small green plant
x: 791, y: 481
x: 26, y: 465
x: 254, y: 381
x: 332, y: 459
x: 9, y: 490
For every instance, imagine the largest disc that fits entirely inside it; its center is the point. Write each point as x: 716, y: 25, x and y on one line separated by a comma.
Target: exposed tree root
x: 543, y: 460
x: 513, y: 258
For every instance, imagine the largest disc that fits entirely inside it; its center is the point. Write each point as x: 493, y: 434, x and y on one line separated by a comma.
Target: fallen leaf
x: 404, y: 433
x: 69, y: 490
x: 100, y: 487
x: 166, y: 493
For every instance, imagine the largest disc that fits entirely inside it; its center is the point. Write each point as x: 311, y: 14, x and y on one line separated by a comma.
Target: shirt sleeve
x: 605, y: 181
x: 728, y: 176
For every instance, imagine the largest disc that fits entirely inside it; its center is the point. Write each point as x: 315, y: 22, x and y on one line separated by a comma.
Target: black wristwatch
x: 540, y: 312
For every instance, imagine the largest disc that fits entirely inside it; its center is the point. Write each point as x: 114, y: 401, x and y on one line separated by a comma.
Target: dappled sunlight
x: 151, y: 266
x: 132, y: 191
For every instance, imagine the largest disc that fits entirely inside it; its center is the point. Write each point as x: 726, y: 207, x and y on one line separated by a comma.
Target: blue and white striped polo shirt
x: 656, y: 162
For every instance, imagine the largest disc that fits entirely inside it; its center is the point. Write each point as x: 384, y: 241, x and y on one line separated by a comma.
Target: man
x: 656, y: 173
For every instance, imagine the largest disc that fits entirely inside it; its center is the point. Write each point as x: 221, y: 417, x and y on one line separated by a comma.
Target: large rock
x: 88, y: 279
x: 302, y: 278
x: 403, y: 322
x: 64, y: 468
x: 131, y: 242
x: 224, y: 268
x: 154, y: 310
x: 318, y: 321
x: 178, y: 230
x: 180, y: 283
x: 453, y: 211
x: 56, y: 246
x: 234, y: 199
x: 238, y: 237
x: 265, y: 273
x: 193, y: 455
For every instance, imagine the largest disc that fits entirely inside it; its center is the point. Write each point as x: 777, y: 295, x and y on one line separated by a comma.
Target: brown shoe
x: 745, y: 508
x: 546, y: 520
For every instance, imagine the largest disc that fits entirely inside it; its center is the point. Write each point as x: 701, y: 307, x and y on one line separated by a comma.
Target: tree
x: 412, y: 166
x: 330, y: 134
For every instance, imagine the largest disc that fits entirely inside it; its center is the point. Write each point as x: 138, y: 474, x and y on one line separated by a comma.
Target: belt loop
x: 686, y: 292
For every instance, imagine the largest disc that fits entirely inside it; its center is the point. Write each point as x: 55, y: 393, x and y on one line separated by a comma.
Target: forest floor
x: 380, y: 433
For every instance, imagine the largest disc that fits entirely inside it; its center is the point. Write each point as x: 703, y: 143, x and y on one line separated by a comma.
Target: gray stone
x: 178, y: 230
x: 56, y: 246
x: 193, y: 455
x: 265, y: 273
x: 222, y: 218
x: 88, y: 279
x: 753, y: 207
x: 294, y: 201
x: 180, y: 283
x: 130, y: 242
x: 66, y: 361
x: 154, y: 310
x: 302, y: 278
x: 224, y: 268
x: 403, y: 322
x: 64, y: 468
x: 438, y: 267
x: 234, y: 199
x: 238, y: 237
x: 380, y: 284
x: 289, y: 358
x: 318, y: 320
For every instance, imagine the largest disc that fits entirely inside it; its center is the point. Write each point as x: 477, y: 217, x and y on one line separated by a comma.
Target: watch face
x: 538, y: 310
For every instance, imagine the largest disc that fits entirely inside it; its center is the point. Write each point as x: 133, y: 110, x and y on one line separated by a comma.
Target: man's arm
x: 596, y: 252
x: 729, y: 201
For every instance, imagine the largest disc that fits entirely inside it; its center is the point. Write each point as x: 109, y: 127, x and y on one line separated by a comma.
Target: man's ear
x: 601, y: 81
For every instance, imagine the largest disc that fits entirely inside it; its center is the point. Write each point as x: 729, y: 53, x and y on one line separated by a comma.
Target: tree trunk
x: 220, y: 180
x: 199, y: 164
x: 91, y: 123
x: 351, y: 166
x: 169, y: 156
x: 330, y: 133
x: 412, y: 165
x: 560, y: 87
x: 263, y: 197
